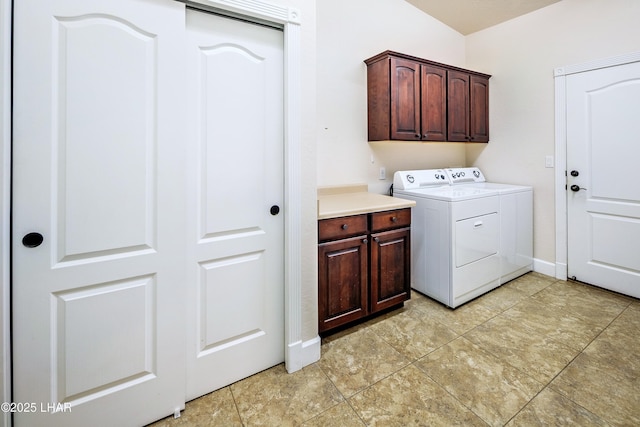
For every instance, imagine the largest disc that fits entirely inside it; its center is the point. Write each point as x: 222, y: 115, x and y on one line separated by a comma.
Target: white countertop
x: 334, y: 202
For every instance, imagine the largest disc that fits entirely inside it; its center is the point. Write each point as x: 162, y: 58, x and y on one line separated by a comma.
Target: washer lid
x: 503, y: 188
x: 450, y: 193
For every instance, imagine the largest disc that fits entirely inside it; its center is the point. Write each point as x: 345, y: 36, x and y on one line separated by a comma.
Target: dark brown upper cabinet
x: 405, y: 99
x: 479, y: 120
x: 459, y: 106
x: 434, y: 103
x: 468, y: 112
x: 413, y: 99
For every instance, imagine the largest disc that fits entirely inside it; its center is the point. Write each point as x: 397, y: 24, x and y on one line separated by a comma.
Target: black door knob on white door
x: 275, y: 210
x: 576, y: 188
x: 32, y: 240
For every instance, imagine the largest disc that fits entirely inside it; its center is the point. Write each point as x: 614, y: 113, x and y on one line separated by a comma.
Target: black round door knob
x: 32, y: 240
x: 575, y: 173
x: 275, y: 210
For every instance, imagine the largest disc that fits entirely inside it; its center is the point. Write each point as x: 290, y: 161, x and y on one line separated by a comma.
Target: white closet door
x: 98, y: 306
x: 235, y: 260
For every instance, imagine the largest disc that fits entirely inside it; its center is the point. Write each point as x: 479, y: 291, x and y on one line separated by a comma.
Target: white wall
x: 521, y: 54
x: 348, y: 33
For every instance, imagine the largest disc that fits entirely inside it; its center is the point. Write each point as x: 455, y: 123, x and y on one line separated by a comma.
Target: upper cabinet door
x: 479, y: 116
x: 434, y: 103
x: 458, y: 111
x: 405, y: 99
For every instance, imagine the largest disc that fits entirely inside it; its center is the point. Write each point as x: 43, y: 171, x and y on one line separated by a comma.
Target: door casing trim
x: 561, y: 167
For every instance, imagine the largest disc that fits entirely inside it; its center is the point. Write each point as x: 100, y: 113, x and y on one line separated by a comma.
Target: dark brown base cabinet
x: 413, y: 99
x: 363, y: 266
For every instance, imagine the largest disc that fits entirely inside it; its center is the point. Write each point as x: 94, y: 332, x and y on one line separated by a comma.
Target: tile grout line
x: 235, y: 403
x: 498, y: 313
x: 578, y: 355
x: 414, y: 362
x: 462, y: 335
x: 548, y: 384
x: 344, y: 398
x: 447, y: 391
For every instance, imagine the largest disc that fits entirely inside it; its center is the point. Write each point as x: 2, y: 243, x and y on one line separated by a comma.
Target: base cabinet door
x: 342, y: 282
x: 390, y: 268
x: 363, y: 266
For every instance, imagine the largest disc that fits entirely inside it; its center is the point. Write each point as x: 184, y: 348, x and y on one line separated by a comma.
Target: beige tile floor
x: 534, y: 352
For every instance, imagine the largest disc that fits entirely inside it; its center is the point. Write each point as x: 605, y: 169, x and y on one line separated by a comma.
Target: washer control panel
x: 462, y: 175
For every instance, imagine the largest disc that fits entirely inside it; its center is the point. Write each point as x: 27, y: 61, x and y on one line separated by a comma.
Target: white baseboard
x: 545, y: 267
x: 301, y: 354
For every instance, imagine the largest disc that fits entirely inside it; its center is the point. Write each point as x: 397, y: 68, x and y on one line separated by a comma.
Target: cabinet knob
x: 345, y: 226
x: 417, y: 136
x: 425, y: 136
x: 394, y: 219
x: 376, y: 239
x: 365, y: 241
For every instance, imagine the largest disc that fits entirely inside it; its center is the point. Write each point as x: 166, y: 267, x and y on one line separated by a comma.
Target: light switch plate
x: 548, y: 162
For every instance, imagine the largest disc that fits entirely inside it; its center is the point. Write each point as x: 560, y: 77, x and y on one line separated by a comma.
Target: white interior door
x: 98, y: 172
x: 603, y: 150
x: 235, y: 258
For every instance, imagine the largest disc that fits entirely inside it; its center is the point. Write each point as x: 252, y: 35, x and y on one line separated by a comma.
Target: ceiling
x: 469, y: 16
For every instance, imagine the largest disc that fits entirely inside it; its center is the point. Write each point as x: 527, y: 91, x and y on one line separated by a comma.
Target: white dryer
x: 516, y: 220
x: 455, y: 236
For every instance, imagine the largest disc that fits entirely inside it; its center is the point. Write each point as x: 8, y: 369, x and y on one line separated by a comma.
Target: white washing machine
x: 516, y: 220
x: 455, y: 236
